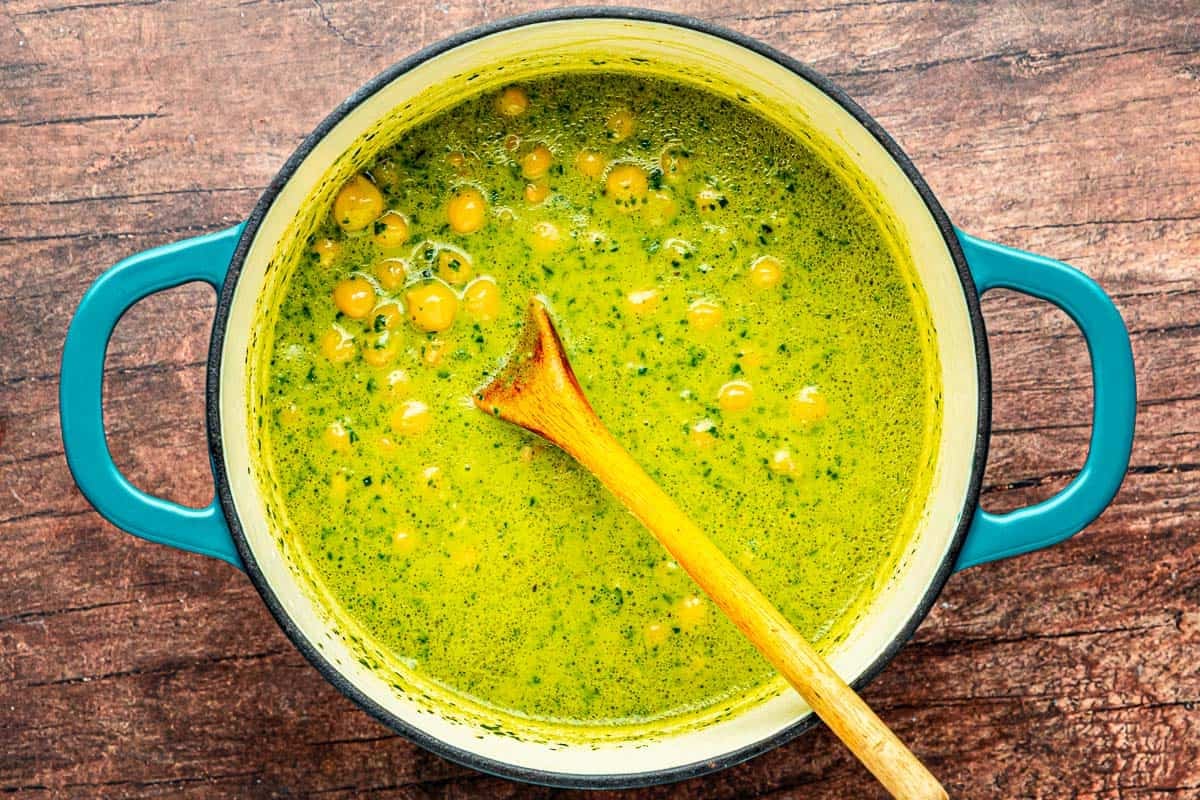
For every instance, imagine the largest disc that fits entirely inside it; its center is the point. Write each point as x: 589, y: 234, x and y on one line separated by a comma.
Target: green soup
x: 737, y: 317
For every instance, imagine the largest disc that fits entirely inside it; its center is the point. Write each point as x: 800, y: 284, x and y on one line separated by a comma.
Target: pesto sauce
x: 522, y: 583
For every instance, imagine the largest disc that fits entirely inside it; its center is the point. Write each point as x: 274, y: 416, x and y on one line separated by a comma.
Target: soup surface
x: 736, y: 317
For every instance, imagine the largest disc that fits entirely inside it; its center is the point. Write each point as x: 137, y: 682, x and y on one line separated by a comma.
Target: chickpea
x: 482, y: 299
x: 783, y: 463
x: 512, y: 143
x: 380, y: 348
x: 337, y: 437
x: 354, y: 297
x: 387, y: 317
x: 661, y: 208
x: 766, y: 272
x: 466, y: 210
x: 644, y: 301
x: 386, y: 174
x: 703, y: 434
x: 656, y: 633
x: 391, y: 230
x: 709, y: 201
x: 620, y: 125
x: 536, y: 192
x: 457, y: 162
x: 358, y: 204
x: 337, y: 345
x: 691, y: 611
x: 327, y: 250
x: 627, y: 185
x: 404, y: 542
x: 291, y: 415
x: 432, y: 306
x: 431, y: 477
x: 809, y: 406
x: 546, y: 237
x: 512, y: 101
x: 410, y: 418
x: 454, y: 266
x: 397, y: 384
x: 432, y: 352
x: 392, y: 273
x: 536, y: 163
x: 674, y: 162
x: 505, y: 215
x: 704, y: 315
x: 589, y: 163
x: 735, y: 396
x: 387, y: 445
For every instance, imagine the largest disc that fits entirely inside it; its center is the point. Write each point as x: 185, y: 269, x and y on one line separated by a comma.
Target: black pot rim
x: 324, y: 666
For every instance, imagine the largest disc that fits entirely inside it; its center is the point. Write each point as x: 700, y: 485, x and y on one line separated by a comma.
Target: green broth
x: 517, y: 581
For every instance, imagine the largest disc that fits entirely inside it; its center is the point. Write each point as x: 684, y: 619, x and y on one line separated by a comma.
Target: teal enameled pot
x: 954, y: 269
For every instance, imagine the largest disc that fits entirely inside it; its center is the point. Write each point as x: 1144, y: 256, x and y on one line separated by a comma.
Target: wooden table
x: 131, y: 670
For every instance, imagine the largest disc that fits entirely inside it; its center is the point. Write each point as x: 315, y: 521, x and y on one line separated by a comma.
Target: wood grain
x: 129, y: 670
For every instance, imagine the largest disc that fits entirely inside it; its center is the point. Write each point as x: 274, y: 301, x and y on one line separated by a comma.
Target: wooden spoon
x: 537, y: 390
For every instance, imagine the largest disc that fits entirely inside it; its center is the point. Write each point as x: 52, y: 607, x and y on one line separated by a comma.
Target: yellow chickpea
x: 411, y: 418
x: 735, y: 396
x: 337, y: 437
x: 536, y: 163
x: 386, y: 174
x: 536, y: 192
x: 505, y: 215
x: 627, y: 185
x: 691, y: 611
x: 354, y: 297
x: 337, y: 345
x: 783, y: 463
x: 643, y: 302
x: 512, y: 143
x: 291, y: 415
x: 404, y: 541
x: 661, y: 208
x: 457, y: 161
x: 380, y: 349
x: 703, y: 434
x: 704, y: 315
x: 545, y: 237
x: 432, y: 352
x: 466, y: 210
x: 809, y: 406
x: 358, y: 203
x: 674, y: 162
x: 327, y: 250
x: 656, y: 633
x: 766, y: 272
x: 589, y: 163
x: 620, y: 125
x: 512, y: 101
x: 432, y: 306
x: 391, y: 230
x: 386, y: 317
x: 454, y: 266
x: 709, y: 201
x: 392, y: 273
x: 397, y: 384
x: 482, y: 299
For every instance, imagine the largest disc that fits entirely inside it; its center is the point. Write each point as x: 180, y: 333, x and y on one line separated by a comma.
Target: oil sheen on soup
x: 736, y: 317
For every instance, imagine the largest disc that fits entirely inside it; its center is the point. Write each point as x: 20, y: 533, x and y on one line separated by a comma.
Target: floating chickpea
x: 589, y: 163
x: 397, y: 384
x: 432, y: 306
x: 536, y: 163
x: 691, y: 611
x: 620, y: 125
x: 337, y: 437
x: 392, y: 273
x: 643, y: 302
x: 482, y: 299
x: 391, y: 230
x: 457, y: 161
x: 512, y: 142
x: 386, y: 317
x: 291, y: 415
x: 386, y: 445
x: 354, y: 297
x: 454, y: 266
x: 380, y: 349
x: 337, y: 345
x: 735, y: 396
x: 537, y: 192
x: 405, y: 541
x: 545, y: 237
x: 432, y: 352
x: 466, y: 210
x: 626, y: 185
x: 703, y: 434
x: 674, y: 162
x: 809, y: 406
x: 512, y: 101
x: 783, y: 463
x: 661, y: 208
x: 358, y: 203
x: 766, y: 272
x: 656, y: 633
x: 704, y: 315
x: 709, y: 201
x: 411, y: 418
x: 386, y: 174
x: 327, y: 250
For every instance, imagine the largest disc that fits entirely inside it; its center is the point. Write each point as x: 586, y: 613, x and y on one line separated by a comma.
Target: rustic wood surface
x: 131, y: 670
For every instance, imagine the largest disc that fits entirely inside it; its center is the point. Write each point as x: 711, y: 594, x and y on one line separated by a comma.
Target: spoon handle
x: 789, y: 652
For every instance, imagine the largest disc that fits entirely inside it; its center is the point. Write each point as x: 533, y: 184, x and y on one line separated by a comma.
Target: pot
x: 953, y: 532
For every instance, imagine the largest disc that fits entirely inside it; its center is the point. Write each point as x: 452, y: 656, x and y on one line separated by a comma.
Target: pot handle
x: 201, y: 530
x: 995, y: 536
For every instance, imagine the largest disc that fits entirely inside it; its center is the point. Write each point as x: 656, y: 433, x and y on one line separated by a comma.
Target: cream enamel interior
x: 533, y: 49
